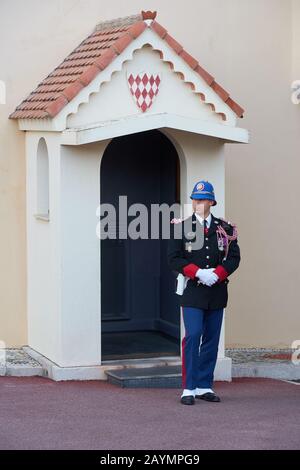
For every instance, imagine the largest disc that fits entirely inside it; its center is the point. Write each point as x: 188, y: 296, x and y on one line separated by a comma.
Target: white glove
x: 207, y: 276
x: 212, y: 279
x: 204, y: 274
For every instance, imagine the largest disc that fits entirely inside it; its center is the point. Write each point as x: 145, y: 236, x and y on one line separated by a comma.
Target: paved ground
x: 37, y: 413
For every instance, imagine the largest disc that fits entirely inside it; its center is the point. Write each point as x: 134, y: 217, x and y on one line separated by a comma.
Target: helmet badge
x: 200, y: 186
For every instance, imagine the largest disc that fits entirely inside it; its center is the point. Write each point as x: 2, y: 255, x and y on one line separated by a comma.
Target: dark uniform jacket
x: 182, y: 261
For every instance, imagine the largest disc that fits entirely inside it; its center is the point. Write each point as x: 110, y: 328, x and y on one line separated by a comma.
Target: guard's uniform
x: 186, y: 262
x: 202, y: 305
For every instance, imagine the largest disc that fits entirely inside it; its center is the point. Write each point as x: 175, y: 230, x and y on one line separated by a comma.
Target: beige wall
x: 262, y: 191
x: 252, y: 48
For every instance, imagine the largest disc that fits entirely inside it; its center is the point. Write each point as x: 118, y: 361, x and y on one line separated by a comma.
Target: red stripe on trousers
x: 183, y: 359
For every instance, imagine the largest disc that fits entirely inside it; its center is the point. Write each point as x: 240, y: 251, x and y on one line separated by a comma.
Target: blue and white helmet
x: 203, y: 190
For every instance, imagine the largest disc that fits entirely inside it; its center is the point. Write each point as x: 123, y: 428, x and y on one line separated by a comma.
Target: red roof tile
x: 95, y: 53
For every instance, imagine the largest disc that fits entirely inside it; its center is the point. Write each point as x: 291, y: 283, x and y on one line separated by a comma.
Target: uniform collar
x: 208, y: 218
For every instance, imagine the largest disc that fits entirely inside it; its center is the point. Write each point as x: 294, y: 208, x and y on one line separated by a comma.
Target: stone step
x: 149, y: 377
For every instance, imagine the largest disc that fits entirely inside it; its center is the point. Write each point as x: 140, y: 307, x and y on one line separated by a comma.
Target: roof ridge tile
x: 117, y: 22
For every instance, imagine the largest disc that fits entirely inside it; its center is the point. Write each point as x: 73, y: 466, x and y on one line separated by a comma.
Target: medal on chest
x: 221, y: 238
x: 188, y: 245
x: 220, y: 244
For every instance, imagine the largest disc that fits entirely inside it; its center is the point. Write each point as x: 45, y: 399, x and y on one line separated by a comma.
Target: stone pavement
x: 246, y: 355
x: 263, y: 362
x: 250, y: 362
x: 15, y: 362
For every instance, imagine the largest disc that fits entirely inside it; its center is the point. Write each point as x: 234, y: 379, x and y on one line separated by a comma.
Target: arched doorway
x: 140, y: 314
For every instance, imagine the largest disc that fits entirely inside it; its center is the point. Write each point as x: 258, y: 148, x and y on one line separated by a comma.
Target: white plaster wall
x: 63, y: 255
x: 80, y: 261
x: 43, y: 253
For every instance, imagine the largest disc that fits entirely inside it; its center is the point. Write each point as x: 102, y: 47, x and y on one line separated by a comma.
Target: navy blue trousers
x: 198, y: 362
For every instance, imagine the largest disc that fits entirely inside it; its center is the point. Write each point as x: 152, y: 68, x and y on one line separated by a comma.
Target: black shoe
x: 188, y: 400
x: 209, y: 396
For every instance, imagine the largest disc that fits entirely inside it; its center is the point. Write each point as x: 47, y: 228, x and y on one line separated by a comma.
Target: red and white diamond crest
x: 144, y: 87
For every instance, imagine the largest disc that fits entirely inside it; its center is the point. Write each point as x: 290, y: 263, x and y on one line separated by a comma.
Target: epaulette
x: 225, y: 223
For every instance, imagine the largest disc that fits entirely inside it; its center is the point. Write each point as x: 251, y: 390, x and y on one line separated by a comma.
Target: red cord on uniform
x: 190, y: 270
x: 221, y: 273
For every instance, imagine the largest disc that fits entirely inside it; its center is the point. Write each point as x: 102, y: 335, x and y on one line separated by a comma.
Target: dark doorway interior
x: 140, y: 313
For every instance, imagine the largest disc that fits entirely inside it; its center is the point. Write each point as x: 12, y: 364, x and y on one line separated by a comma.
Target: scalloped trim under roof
x: 93, y: 55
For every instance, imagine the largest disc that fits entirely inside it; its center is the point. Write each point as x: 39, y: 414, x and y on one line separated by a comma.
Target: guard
x: 202, y: 271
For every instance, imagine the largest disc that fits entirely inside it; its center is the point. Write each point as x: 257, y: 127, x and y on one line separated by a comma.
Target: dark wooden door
x: 137, y: 286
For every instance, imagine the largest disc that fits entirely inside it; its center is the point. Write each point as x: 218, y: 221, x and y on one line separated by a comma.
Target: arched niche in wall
x: 42, y: 181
